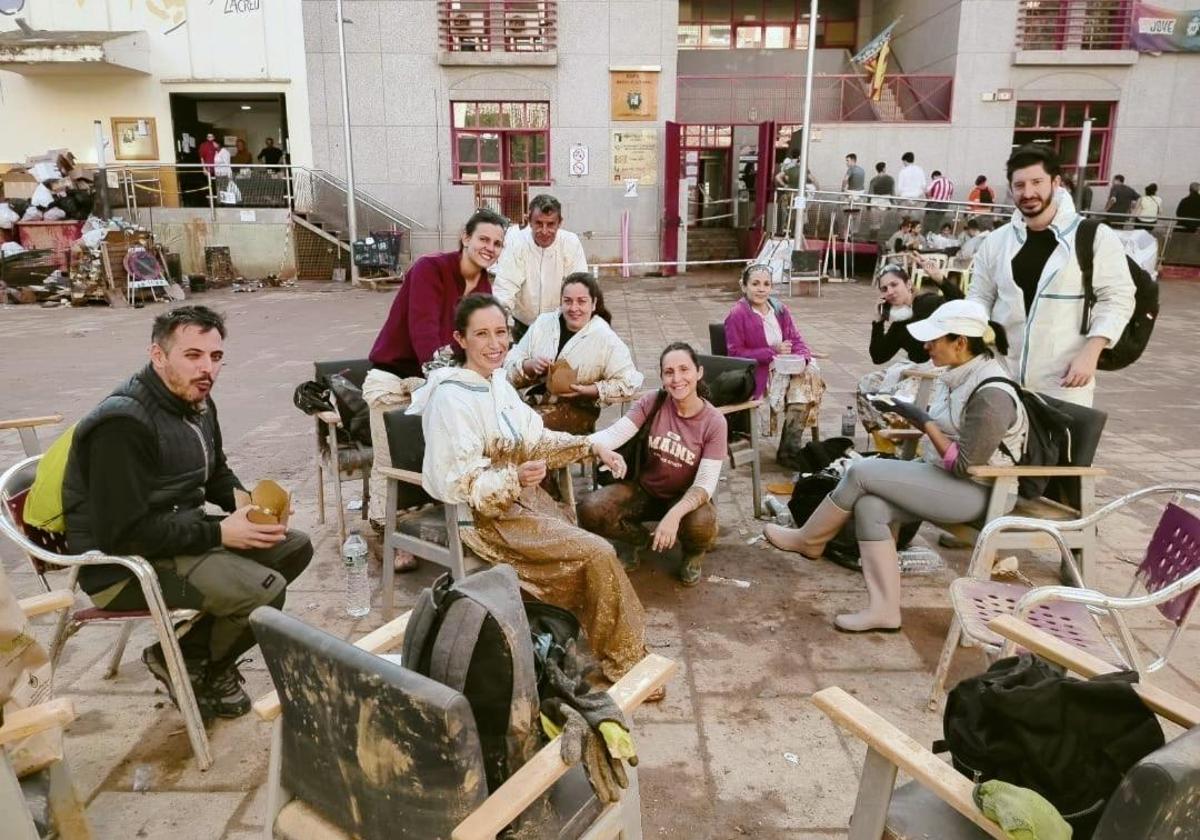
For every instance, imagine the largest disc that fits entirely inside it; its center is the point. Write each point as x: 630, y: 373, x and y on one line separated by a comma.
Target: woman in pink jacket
x: 761, y: 328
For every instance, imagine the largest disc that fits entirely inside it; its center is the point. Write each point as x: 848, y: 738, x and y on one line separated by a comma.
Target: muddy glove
x: 579, y: 743
x: 916, y: 416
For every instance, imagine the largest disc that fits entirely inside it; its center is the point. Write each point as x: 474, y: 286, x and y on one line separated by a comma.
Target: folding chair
x: 348, y: 461
x: 46, y: 550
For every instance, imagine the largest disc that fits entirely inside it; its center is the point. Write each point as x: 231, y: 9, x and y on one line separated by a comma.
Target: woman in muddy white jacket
x: 579, y: 335
x: 1044, y: 341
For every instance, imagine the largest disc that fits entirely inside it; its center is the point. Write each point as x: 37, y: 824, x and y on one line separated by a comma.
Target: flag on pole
x: 873, y: 58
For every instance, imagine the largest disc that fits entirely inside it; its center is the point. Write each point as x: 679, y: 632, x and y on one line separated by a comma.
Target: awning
x: 41, y: 52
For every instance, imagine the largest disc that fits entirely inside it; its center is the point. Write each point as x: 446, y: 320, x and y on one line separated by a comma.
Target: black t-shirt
x: 1028, y: 263
x: 564, y: 334
x: 271, y: 155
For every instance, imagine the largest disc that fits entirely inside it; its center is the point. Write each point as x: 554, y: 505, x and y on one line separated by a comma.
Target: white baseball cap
x: 954, y: 317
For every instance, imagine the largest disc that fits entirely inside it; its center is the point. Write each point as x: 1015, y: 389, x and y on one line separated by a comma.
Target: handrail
x: 365, y: 198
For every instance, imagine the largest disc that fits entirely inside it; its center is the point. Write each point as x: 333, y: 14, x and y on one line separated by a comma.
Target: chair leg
x: 70, y: 628
x: 874, y: 795
x: 114, y: 660
x: 320, y: 493
x: 341, y: 507
x: 18, y: 825
x: 180, y: 681
x: 755, y: 466
x: 66, y: 809
x: 277, y: 794
x: 949, y: 648
x: 366, y: 493
x: 387, y: 574
x: 60, y: 636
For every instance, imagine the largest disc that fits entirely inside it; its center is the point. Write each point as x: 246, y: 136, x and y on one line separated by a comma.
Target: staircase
x: 321, y: 223
x: 712, y: 243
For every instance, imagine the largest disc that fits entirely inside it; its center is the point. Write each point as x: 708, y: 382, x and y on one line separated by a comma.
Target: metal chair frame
x: 1099, y: 603
x: 159, y: 614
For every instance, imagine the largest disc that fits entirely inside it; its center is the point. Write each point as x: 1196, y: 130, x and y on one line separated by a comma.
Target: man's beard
x: 1043, y: 203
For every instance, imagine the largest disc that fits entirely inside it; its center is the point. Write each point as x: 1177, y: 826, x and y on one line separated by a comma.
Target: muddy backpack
x: 474, y: 637
x: 1132, y: 343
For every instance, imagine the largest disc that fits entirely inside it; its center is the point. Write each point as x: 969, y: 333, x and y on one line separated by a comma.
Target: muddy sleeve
x: 121, y: 465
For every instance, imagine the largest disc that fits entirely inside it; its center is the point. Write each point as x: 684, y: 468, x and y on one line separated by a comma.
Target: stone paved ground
x: 713, y: 761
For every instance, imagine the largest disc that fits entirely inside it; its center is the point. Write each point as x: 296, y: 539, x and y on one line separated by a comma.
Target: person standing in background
x: 855, y: 179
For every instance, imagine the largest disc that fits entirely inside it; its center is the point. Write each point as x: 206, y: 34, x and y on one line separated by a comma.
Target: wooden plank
x: 382, y: 639
x: 25, y: 722
x: 1034, y: 472
x: 906, y: 753
x: 546, y: 767
x: 59, y: 599
x: 734, y: 408
x: 900, y: 434
x: 329, y: 418
x: 875, y: 787
x: 1037, y: 641
x: 407, y: 476
x: 25, y: 422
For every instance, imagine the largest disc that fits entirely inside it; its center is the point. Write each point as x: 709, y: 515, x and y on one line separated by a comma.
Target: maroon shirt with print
x: 676, y: 445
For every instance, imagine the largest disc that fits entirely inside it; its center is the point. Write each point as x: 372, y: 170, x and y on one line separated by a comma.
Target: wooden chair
x: 27, y: 428
x: 418, y: 523
x: 14, y: 487
x: 344, y: 461
x: 1169, y: 572
x: 45, y: 800
x: 352, y: 733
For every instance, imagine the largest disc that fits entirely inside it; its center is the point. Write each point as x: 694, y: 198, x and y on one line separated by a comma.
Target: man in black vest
x: 141, y: 467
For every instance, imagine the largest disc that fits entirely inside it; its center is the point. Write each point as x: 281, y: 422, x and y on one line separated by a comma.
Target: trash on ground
x: 920, y: 560
x: 792, y: 758
x: 142, y: 777
x: 740, y: 584
x: 354, y: 505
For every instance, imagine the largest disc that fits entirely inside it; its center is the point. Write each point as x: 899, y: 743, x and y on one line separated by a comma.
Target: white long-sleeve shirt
x: 529, y: 279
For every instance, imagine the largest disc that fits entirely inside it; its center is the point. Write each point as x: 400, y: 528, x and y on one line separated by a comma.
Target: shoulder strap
x: 1002, y: 380
x: 1085, y: 251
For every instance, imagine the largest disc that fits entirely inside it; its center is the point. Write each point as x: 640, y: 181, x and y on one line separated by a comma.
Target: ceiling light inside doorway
x: 245, y: 107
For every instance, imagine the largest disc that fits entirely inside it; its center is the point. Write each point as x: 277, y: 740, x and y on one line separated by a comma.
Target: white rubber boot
x: 811, y: 537
x: 881, y: 571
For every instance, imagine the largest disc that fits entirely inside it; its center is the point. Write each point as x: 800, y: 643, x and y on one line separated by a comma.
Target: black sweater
x: 886, y: 343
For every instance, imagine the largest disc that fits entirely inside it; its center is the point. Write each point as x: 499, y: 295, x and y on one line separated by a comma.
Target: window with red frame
x: 501, y: 141
x: 765, y: 24
x: 1059, y: 125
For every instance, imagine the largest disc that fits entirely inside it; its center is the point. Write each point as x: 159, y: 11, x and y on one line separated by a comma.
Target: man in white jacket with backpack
x: 1027, y: 275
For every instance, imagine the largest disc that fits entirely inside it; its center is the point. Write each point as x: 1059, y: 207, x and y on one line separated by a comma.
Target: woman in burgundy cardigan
x: 760, y: 328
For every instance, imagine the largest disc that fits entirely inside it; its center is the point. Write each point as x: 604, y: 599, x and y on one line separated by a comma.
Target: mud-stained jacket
x: 597, y: 354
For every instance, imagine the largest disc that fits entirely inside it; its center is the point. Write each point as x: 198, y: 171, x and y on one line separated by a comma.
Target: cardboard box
x: 560, y: 377
x: 272, y: 504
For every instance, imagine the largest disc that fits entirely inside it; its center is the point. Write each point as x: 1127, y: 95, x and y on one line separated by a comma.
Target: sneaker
x: 156, y: 664
x: 689, y: 569
x: 225, y: 696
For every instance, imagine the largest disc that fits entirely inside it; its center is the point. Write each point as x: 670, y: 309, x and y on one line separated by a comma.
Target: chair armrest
x: 379, y: 640
x: 407, y: 476
x: 59, y: 599
x: 734, y: 408
x: 25, y: 722
x: 901, y: 434
x: 30, y: 422
x: 912, y: 373
x: 1040, y: 642
x: 904, y: 752
x: 1035, y: 472
x: 329, y: 418
x: 537, y: 775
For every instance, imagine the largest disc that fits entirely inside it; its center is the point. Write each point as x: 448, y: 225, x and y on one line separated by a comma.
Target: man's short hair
x: 972, y: 224
x: 937, y: 173
x: 907, y: 157
x: 168, y: 322
x: 1194, y: 186
x: 545, y: 203
x: 1120, y: 179
x: 852, y: 157
x: 1032, y: 154
x: 879, y: 167
x: 981, y: 180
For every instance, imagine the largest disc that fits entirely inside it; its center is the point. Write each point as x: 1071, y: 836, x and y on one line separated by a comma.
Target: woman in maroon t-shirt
x: 681, y: 463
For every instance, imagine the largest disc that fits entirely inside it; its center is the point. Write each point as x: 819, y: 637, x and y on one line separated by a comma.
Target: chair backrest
x: 1087, y: 427
x: 406, y: 446
x: 355, y: 369
x: 14, y: 490
x: 716, y: 339
x: 1157, y: 799
x: 714, y: 366
x: 1174, y: 552
x: 376, y: 749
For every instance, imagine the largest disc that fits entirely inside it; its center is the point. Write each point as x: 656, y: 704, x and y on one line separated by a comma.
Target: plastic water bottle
x: 920, y: 560
x: 358, y: 585
x: 849, y: 422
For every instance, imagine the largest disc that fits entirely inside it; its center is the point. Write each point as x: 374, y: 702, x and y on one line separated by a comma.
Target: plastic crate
x: 379, y: 250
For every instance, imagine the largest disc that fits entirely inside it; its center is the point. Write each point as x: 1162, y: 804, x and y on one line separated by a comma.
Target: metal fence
x: 730, y: 99
x: 513, y: 26
x: 1074, y: 24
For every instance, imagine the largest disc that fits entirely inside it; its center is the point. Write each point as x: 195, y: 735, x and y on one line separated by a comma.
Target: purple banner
x: 1153, y: 29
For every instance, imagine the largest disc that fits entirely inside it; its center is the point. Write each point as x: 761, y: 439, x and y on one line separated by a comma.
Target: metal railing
x: 729, y: 99
x: 508, y: 26
x: 321, y: 196
x: 1074, y: 24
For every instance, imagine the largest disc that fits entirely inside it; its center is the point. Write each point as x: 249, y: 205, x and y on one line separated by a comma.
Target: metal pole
x: 351, y: 215
x: 100, y: 185
x: 1085, y: 142
x: 802, y: 194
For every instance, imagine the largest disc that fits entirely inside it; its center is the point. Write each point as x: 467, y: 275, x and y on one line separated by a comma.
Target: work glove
x: 916, y: 416
x: 580, y: 742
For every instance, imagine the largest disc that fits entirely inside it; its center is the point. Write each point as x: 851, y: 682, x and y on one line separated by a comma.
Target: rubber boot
x: 811, y: 537
x: 881, y: 571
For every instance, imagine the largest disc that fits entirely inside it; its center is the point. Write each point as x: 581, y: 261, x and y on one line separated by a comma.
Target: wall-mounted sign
x: 134, y: 138
x: 634, y: 93
x: 578, y: 163
x: 635, y: 156
x: 1153, y: 29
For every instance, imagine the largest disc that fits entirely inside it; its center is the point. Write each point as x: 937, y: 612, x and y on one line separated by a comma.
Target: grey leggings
x: 881, y: 492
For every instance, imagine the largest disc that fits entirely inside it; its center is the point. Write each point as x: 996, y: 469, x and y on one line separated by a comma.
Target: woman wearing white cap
x: 971, y: 422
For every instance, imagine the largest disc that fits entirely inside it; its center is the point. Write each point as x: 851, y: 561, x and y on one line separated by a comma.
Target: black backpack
x: 634, y: 449
x: 1047, y: 441
x: 1132, y: 343
x: 1025, y: 722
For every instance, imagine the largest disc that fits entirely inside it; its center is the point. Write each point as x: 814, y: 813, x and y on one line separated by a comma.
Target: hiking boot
x: 689, y: 569
x: 156, y: 664
x: 224, y: 696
